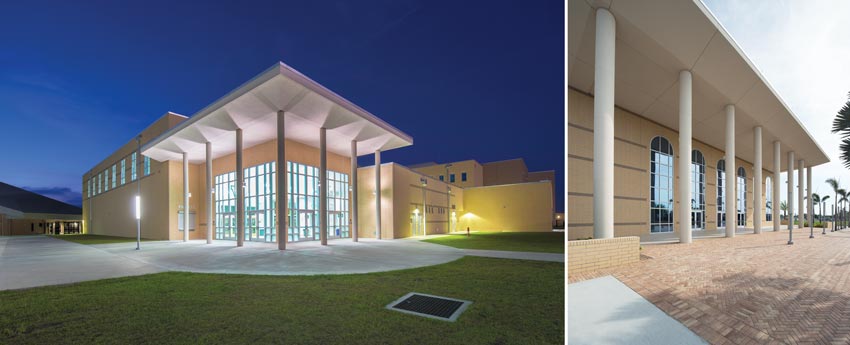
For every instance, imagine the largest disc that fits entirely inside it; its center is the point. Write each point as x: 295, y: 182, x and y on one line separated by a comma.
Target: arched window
x: 661, y: 185
x: 742, y: 197
x: 697, y: 190
x: 721, y: 201
x: 768, y: 197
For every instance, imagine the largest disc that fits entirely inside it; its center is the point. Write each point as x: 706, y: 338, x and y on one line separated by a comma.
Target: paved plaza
x: 751, y: 289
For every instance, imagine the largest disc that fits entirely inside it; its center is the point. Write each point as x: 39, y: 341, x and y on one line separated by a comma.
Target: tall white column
x: 790, y: 200
x: 685, y: 204
x: 757, y: 181
x: 801, y: 205
x: 280, y: 179
x: 810, y: 204
x: 323, y: 186
x: 185, y: 197
x: 240, y: 192
x: 209, y: 193
x: 353, y: 182
x: 777, y: 168
x: 731, y: 176
x: 378, y: 194
x: 603, y: 126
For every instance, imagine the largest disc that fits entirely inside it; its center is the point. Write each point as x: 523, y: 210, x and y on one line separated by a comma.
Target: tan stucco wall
x: 474, y: 172
x: 505, y: 172
x: 633, y: 135
x: 366, y: 201
x: 407, y: 197
x: 512, y: 207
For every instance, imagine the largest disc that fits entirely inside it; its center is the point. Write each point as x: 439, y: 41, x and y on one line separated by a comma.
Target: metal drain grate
x: 435, y: 307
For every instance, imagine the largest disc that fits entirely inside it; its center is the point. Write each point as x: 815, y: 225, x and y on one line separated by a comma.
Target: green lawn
x: 95, y: 239
x: 547, y: 242
x: 514, y: 302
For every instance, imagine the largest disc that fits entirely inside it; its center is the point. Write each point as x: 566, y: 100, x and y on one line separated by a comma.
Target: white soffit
x: 253, y: 107
x: 658, y: 38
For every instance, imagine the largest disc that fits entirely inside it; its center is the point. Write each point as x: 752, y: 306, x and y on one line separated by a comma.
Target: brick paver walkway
x: 751, y: 289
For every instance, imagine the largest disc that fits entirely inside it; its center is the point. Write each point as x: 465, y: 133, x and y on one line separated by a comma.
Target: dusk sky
x: 477, y: 80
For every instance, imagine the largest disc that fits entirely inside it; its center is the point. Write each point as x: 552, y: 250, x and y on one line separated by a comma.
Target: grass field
x: 546, y: 242
x: 514, y: 302
x: 95, y: 239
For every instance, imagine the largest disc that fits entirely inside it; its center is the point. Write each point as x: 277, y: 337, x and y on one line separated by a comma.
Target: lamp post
x: 448, y: 201
x: 424, y: 183
x: 138, y: 192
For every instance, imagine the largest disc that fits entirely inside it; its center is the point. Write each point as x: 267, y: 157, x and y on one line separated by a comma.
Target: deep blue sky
x: 467, y: 79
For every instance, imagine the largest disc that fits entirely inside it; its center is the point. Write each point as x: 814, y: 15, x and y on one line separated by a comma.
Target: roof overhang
x: 656, y: 39
x: 253, y: 107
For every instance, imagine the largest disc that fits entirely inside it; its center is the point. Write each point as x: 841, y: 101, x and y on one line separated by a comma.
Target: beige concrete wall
x: 511, y: 207
x: 407, y: 197
x: 474, y: 172
x: 590, y: 255
x: 505, y: 172
x: 632, y: 137
x: 112, y: 212
x: 366, y: 201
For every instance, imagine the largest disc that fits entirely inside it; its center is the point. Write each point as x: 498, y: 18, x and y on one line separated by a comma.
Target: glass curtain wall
x: 303, y: 201
x: 661, y: 185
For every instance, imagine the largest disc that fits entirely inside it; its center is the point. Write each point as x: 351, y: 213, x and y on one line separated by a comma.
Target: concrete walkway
x: 606, y: 311
x: 30, y: 261
x: 554, y: 257
x: 307, y: 258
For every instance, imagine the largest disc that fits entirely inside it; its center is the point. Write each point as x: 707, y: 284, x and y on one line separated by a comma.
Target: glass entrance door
x: 305, y: 227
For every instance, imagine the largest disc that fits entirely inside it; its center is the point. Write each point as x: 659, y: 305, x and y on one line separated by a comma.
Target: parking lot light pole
x: 138, y: 192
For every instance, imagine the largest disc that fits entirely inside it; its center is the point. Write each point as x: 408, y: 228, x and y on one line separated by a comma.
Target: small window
x: 114, y: 180
x: 452, y: 178
x: 133, y: 167
x: 463, y: 177
x: 147, y: 166
x: 442, y: 178
x: 123, y: 171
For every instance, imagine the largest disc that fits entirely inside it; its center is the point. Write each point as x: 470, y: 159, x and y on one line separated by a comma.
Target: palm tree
x: 783, y: 206
x: 841, y: 125
x: 843, y: 198
x: 823, y: 207
x: 815, y: 203
x: 833, y: 183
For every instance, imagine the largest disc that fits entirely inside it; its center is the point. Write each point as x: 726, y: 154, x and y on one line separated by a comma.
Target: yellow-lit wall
x: 366, y: 201
x: 510, y: 207
x: 632, y: 137
x: 408, y: 195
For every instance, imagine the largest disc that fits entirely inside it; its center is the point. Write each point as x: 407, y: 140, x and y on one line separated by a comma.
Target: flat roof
x: 253, y: 107
x: 656, y: 39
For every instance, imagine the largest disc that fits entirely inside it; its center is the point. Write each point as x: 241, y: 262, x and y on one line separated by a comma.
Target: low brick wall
x: 590, y: 255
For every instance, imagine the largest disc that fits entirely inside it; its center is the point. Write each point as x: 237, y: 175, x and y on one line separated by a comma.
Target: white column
x: 209, y: 194
x: 280, y: 179
x: 685, y: 205
x: 810, y: 205
x: 240, y: 192
x: 185, y: 197
x: 323, y: 186
x: 777, y: 168
x: 801, y: 205
x: 603, y: 126
x: 757, y: 181
x: 353, y: 182
x: 731, y: 175
x: 378, y: 194
x: 790, y: 200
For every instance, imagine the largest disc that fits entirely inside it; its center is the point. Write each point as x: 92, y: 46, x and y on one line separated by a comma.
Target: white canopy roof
x: 656, y: 39
x: 253, y: 107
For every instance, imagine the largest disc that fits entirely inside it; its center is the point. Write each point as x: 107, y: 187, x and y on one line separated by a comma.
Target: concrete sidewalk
x: 606, y: 311
x: 554, y: 257
x: 30, y: 261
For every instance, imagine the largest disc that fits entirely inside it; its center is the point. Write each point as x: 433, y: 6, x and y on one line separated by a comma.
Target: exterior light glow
x: 138, y: 207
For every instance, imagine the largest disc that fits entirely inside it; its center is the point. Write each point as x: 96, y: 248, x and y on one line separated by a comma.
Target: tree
x: 841, y: 125
x: 815, y: 202
x: 783, y: 206
x: 833, y: 183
